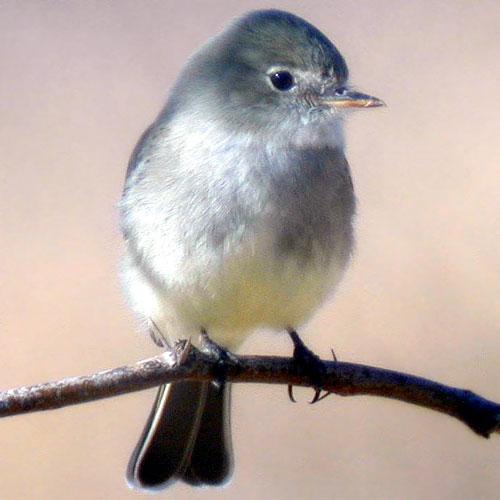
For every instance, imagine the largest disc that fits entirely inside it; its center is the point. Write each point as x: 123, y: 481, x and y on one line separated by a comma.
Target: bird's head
x: 272, y: 71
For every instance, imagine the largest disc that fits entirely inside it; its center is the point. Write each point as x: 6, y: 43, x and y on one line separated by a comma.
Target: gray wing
x: 143, y: 148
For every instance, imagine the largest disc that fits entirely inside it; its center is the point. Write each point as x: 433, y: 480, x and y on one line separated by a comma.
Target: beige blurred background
x: 80, y: 80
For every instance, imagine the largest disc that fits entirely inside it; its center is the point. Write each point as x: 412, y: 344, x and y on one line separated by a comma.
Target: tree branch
x: 345, y: 379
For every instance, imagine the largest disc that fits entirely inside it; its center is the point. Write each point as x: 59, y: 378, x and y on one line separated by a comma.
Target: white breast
x: 173, y: 272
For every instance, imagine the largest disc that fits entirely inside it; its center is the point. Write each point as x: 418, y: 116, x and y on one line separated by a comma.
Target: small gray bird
x: 237, y: 214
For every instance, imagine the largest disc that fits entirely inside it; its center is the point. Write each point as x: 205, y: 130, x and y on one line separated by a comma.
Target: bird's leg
x: 223, y: 358
x: 179, y: 350
x: 308, y: 364
x: 157, y: 335
x: 208, y: 346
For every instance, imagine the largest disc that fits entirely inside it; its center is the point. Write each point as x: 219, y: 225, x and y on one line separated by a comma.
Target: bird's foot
x: 310, y: 365
x: 224, y: 359
x: 179, y: 350
x: 157, y: 336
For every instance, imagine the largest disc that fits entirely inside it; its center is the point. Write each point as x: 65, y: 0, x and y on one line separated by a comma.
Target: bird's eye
x: 282, y: 80
x: 341, y: 91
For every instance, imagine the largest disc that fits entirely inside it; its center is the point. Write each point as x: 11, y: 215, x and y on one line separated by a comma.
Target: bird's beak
x: 347, y: 98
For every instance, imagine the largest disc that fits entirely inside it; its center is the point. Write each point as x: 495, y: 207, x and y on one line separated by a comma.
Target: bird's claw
x: 318, y: 396
x: 157, y: 335
x: 223, y: 358
x: 181, y: 350
x: 214, y: 350
x: 310, y: 365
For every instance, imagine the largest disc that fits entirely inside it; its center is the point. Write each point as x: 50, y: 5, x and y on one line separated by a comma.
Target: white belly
x: 234, y: 295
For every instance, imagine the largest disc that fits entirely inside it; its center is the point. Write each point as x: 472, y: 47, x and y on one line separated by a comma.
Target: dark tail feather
x: 186, y: 422
x: 168, y: 437
x: 211, y: 460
